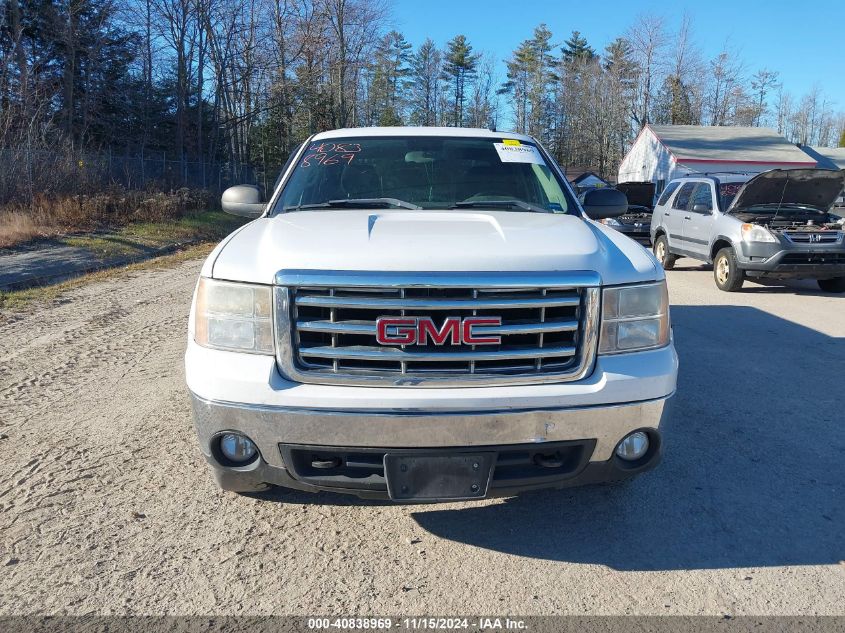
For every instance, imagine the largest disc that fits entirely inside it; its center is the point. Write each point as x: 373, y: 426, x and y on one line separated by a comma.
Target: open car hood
x: 639, y: 194
x: 807, y: 187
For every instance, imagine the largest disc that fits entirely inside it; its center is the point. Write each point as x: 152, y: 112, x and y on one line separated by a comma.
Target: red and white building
x: 663, y: 152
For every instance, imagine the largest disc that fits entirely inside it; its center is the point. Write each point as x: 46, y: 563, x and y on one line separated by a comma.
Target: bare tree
x: 725, y: 73
x: 761, y: 83
x: 648, y: 40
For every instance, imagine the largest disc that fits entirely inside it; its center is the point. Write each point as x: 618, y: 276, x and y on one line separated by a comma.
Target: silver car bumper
x: 276, y: 430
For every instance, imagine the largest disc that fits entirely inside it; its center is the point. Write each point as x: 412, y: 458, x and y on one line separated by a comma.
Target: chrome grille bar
x: 368, y: 328
x: 427, y: 304
x: 395, y: 355
x: 480, y: 280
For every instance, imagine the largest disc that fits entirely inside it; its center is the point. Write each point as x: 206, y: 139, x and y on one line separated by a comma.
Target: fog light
x: 633, y: 446
x: 237, y: 448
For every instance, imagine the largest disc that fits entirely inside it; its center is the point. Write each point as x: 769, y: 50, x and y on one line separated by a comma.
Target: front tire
x: 726, y: 272
x: 661, y: 252
x: 837, y: 284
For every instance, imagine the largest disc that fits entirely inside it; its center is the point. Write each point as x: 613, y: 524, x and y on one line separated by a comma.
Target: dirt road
x: 106, y: 505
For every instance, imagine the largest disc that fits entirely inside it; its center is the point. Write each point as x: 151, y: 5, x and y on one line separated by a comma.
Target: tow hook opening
x: 325, y: 463
x: 548, y: 460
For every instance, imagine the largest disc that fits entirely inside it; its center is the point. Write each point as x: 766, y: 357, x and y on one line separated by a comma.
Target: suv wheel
x: 837, y: 284
x: 661, y: 252
x: 727, y: 274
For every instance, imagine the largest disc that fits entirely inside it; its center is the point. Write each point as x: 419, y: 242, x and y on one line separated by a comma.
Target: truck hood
x: 639, y: 194
x: 817, y: 188
x: 426, y: 241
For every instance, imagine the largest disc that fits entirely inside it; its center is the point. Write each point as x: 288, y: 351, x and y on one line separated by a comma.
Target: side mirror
x: 243, y: 200
x: 604, y: 203
x: 701, y: 208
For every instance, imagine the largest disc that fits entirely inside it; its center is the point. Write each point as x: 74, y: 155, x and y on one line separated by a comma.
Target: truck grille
x: 327, y: 331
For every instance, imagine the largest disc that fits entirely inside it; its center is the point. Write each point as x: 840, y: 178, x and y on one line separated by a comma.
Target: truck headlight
x: 756, y: 233
x: 234, y: 316
x: 634, y: 318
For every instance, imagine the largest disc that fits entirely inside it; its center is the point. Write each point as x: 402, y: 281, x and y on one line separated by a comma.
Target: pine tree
x: 426, y: 71
x: 673, y: 104
x: 393, y: 56
x: 577, y: 49
x: 529, y: 81
x: 520, y: 67
x: 460, y: 67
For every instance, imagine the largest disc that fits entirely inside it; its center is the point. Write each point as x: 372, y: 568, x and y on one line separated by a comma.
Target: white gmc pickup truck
x: 428, y: 314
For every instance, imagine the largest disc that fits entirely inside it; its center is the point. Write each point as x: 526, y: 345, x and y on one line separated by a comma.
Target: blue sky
x: 803, y: 41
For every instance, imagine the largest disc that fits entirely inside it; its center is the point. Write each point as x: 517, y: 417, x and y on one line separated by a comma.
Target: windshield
x: 424, y: 172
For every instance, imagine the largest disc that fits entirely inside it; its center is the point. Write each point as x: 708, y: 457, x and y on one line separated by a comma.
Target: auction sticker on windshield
x: 515, y: 152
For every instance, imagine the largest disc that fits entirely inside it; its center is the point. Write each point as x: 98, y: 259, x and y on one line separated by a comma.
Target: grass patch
x: 207, y: 225
x: 104, y: 247
x: 138, y: 238
x: 16, y: 300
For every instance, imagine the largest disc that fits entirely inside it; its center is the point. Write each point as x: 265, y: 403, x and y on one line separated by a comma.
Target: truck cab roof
x: 454, y: 132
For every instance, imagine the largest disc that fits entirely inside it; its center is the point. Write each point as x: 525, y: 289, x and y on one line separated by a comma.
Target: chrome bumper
x: 269, y: 427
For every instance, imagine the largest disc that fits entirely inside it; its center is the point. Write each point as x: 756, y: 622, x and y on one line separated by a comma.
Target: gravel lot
x: 106, y: 505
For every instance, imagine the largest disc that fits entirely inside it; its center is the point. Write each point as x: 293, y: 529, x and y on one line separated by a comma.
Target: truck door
x: 674, y: 214
x: 698, y: 221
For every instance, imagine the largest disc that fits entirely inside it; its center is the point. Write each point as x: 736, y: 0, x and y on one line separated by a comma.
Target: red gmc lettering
x: 471, y: 339
x: 422, y: 330
x: 404, y: 331
x: 451, y: 327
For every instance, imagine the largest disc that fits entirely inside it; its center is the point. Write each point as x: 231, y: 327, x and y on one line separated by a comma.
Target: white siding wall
x: 648, y: 160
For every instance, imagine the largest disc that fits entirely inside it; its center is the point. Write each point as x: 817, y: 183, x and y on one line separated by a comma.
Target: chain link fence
x: 29, y: 173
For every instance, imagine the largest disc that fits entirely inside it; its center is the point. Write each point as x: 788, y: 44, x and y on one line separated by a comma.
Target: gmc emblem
x: 421, y: 330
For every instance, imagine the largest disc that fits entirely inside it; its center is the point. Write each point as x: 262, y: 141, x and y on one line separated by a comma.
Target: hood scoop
x: 432, y: 225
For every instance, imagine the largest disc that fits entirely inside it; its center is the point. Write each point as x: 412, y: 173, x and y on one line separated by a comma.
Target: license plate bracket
x: 438, y: 477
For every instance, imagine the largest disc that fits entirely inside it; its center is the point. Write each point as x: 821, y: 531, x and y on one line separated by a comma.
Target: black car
x: 636, y: 222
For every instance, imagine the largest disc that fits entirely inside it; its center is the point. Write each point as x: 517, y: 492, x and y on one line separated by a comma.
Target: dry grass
x: 51, y: 216
x: 17, y: 227
x: 18, y: 300
x: 202, y: 230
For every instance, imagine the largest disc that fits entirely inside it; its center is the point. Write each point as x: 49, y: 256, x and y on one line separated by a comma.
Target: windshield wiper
x: 507, y: 204
x: 356, y: 203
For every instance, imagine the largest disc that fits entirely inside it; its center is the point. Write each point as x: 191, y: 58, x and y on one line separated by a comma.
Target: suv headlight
x: 610, y: 222
x: 756, y: 233
x: 634, y: 318
x: 234, y: 316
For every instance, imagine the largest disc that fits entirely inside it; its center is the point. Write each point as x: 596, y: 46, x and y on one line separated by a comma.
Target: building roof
x: 589, y: 179
x: 728, y: 144
x: 826, y: 157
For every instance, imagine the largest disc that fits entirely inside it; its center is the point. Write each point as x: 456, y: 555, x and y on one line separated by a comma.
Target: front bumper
x: 246, y: 393
x: 785, y: 261
x: 583, y: 438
